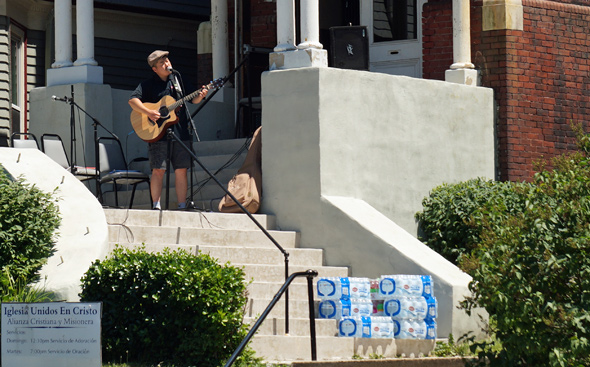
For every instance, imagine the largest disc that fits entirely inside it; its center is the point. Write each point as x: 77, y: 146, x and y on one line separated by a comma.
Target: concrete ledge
x: 83, y: 231
x: 391, y: 348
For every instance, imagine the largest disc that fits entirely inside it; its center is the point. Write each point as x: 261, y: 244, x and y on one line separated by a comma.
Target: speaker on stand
x: 349, y: 47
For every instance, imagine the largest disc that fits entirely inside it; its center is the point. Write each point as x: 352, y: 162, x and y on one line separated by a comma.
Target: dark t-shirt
x: 154, y: 89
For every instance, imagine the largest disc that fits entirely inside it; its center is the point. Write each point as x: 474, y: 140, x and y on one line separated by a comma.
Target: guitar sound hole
x: 164, y: 113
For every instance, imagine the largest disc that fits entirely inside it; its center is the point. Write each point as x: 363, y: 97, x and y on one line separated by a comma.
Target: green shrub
x: 171, y: 306
x: 532, y: 270
x: 28, y: 222
x: 18, y: 290
x: 451, y: 220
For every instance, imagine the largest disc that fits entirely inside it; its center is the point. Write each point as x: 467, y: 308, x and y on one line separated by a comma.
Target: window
x: 394, y: 20
x: 17, y: 87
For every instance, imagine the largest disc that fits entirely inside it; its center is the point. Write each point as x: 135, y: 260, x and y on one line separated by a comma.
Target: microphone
x: 172, y: 70
x: 64, y: 99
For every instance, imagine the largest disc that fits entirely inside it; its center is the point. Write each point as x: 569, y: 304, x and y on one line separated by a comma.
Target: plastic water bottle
x: 425, y: 329
x: 388, y: 285
x: 431, y: 308
x: 419, y: 327
x: 356, y: 327
x: 333, y: 288
x: 361, y: 307
x: 399, y: 308
x: 334, y: 308
x: 381, y: 327
x: 406, y: 330
x: 360, y: 288
x: 430, y: 329
x: 427, y: 286
x: 392, y: 307
x: 420, y: 308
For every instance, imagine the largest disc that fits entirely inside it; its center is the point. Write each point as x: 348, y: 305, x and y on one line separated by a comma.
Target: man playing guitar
x: 162, y: 84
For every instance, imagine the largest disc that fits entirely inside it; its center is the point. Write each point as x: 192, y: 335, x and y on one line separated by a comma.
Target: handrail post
x: 286, y: 296
x: 311, y: 317
x: 309, y: 274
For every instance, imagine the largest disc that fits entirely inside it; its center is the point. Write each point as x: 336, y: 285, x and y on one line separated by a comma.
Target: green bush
x: 452, y: 220
x: 171, y: 306
x: 29, y: 219
x: 531, y: 272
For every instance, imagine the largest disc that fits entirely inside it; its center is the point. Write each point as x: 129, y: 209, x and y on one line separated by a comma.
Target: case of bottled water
x: 356, y: 327
x: 366, y: 327
x: 360, y: 288
x: 401, y: 285
x: 361, y: 307
x: 334, y: 308
x: 333, y: 288
x: 339, y: 308
x: 381, y: 327
x: 414, y: 329
x: 406, y: 307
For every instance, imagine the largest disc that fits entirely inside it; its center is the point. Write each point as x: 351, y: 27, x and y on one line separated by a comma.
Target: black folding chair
x: 114, y: 169
x: 30, y: 142
x: 53, y: 146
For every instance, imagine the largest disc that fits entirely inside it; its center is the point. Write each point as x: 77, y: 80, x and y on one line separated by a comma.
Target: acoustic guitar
x: 151, y: 131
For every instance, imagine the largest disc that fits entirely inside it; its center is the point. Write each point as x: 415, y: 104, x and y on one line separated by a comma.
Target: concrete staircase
x: 235, y: 238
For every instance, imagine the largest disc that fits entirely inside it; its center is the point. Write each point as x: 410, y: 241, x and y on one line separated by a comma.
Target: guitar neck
x: 189, y: 97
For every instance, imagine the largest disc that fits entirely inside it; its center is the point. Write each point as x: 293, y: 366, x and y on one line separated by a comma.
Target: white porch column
x: 310, y: 24
x: 309, y: 53
x: 85, y: 32
x: 63, y: 34
x: 85, y: 69
x: 462, y: 71
x: 285, y: 25
x: 219, y: 38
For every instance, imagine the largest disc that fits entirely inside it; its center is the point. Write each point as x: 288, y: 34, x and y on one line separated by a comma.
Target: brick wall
x: 539, y: 75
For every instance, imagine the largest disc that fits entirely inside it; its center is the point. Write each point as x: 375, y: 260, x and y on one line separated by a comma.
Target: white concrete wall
x: 83, y: 233
x: 337, y: 143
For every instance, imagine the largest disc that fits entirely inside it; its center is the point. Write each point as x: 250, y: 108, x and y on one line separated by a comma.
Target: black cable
x: 232, y: 159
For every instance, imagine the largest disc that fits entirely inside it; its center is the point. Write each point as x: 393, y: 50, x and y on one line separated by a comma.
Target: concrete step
x: 298, y: 308
x: 215, y: 162
x: 338, y: 350
x: 264, y: 256
x: 245, y: 256
x: 297, y: 327
x: 266, y: 290
x: 280, y: 348
x: 188, y: 219
x: 200, y: 236
x: 276, y: 273
x: 217, y: 147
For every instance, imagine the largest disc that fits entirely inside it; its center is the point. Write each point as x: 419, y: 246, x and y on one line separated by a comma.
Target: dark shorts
x: 179, y: 158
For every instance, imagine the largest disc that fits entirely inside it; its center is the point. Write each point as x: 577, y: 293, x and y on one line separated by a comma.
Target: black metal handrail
x: 310, y: 274
x: 172, y: 136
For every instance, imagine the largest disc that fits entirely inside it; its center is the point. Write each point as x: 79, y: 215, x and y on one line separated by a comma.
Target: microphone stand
x: 95, y: 124
x: 72, y: 132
